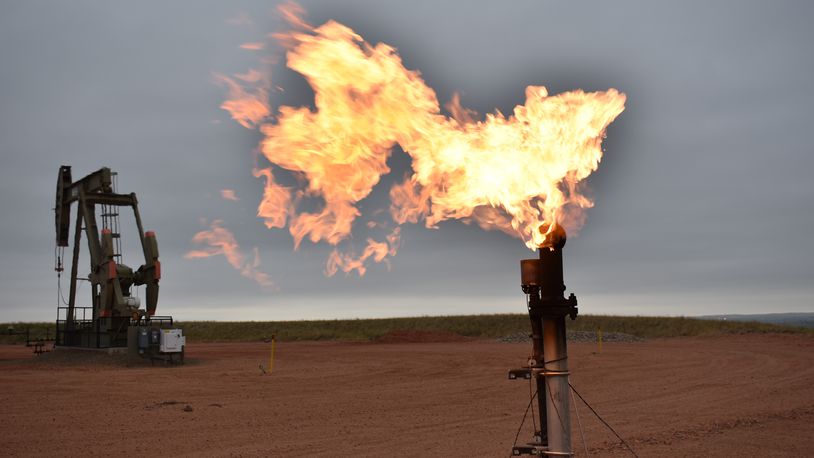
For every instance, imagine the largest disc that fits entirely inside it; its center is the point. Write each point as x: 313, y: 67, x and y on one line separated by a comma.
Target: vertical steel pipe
x: 542, y: 282
x: 556, y: 387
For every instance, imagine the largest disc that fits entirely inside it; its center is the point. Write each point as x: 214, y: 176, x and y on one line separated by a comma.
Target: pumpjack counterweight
x: 114, y: 309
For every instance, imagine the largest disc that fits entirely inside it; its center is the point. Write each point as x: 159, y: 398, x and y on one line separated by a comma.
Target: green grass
x: 480, y: 326
x: 36, y: 330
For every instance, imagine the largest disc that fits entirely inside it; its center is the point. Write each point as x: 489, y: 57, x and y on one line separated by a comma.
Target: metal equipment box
x: 172, y: 341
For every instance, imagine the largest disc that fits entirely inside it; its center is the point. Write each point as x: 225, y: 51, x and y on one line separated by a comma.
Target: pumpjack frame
x: 113, y: 309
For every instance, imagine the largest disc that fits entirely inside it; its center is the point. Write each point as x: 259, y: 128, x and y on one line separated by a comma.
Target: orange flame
x: 220, y: 240
x: 513, y: 173
x: 247, y: 100
x: 229, y: 194
x: 252, y: 46
x: 276, y: 203
x: 377, y: 251
x: 293, y: 13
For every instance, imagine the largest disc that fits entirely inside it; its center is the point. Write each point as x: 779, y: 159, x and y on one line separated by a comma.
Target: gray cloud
x: 704, y: 202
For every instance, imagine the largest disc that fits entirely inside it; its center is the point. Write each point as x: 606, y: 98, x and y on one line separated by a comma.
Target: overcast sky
x: 704, y: 199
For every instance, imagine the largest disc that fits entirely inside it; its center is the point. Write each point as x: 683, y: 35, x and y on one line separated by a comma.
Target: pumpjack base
x: 109, y: 350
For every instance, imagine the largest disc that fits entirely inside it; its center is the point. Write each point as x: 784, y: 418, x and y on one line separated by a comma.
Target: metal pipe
x: 542, y: 282
x: 538, y: 356
x: 556, y: 386
x: 69, y: 317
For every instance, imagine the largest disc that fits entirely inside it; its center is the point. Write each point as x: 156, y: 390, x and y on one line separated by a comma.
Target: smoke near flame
x: 515, y: 173
x: 218, y: 240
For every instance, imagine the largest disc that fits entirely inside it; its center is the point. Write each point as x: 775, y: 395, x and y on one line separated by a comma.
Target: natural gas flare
x: 247, y: 97
x: 229, y: 194
x: 253, y: 46
x: 218, y: 240
x: 514, y: 173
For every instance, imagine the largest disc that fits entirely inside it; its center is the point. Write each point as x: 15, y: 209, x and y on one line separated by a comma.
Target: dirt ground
x: 744, y: 395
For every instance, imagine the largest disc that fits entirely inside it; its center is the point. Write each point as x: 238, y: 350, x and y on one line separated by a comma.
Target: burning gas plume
x: 219, y: 240
x: 515, y: 173
x: 229, y: 194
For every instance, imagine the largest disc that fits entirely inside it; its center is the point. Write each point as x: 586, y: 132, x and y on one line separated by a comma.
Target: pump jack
x: 114, y: 318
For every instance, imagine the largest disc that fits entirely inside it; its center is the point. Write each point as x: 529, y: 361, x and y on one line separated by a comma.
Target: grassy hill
x: 478, y: 326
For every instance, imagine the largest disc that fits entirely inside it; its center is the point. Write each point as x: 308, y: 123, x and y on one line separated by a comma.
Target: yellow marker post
x: 599, y: 338
x: 271, y: 357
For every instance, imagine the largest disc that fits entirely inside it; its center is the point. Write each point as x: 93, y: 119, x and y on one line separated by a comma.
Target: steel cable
x: 603, y: 421
x: 523, y: 421
x: 579, y: 422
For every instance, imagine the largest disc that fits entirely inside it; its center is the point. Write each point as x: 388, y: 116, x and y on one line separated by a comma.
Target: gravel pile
x: 575, y: 336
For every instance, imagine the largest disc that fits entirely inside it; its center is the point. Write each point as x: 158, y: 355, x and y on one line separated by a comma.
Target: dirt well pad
x: 740, y: 395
